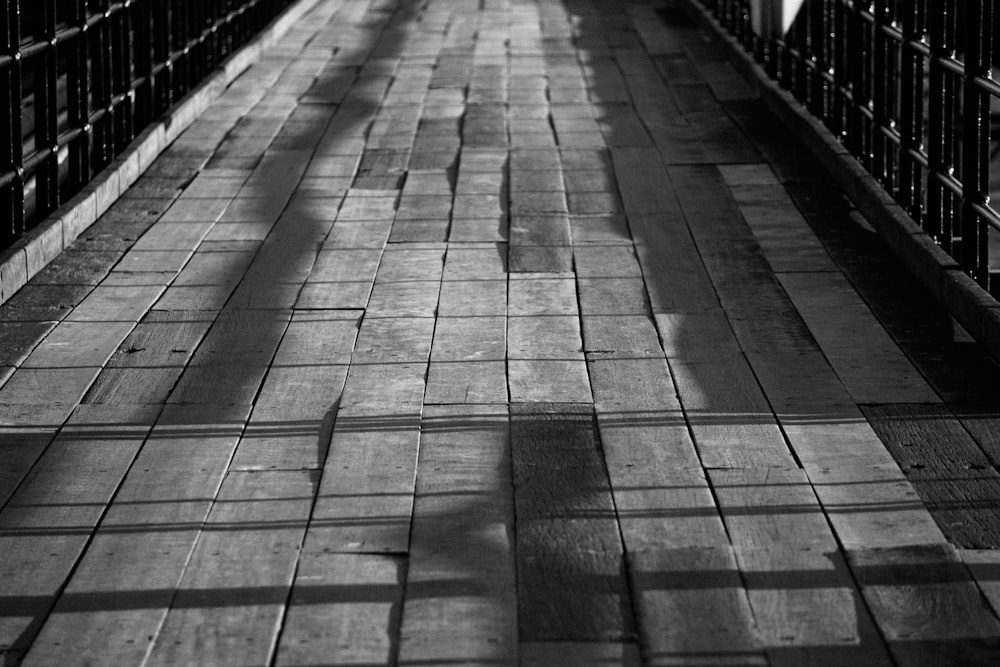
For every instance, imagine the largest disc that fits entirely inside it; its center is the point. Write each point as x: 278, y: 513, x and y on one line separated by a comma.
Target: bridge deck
x: 494, y: 332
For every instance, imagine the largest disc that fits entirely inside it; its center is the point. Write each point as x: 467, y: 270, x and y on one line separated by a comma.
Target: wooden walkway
x: 496, y: 332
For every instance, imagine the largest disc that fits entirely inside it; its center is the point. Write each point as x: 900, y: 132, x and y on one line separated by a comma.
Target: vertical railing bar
x: 13, y: 156
x: 975, y: 141
x: 46, y: 111
x: 911, y: 96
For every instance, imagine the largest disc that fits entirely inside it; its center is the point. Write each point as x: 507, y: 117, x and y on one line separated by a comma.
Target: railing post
x: 911, y: 110
x: 975, y: 140
x: 11, y: 154
x: 46, y: 110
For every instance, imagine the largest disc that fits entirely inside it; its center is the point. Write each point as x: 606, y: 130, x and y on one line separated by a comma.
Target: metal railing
x: 79, y: 79
x: 907, y: 86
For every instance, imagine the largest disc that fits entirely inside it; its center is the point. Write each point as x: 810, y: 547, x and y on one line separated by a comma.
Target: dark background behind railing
x: 79, y: 79
x: 907, y: 86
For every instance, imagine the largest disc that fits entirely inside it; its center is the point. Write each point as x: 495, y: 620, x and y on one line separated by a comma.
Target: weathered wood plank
x: 228, y: 606
x: 540, y: 380
x: 162, y: 340
x: 56, y: 510
x: 946, y: 467
x: 460, y: 602
x: 119, y: 594
x: 469, y: 298
x: 661, y: 495
x: 458, y: 382
x: 803, y: 597
x: 867, y: 360
x: 366, y: 495
x: 394, y: 340
x: 620, y: 336
x: 927, y: 605
x: 692, y: 608
x: 344, y: 609
x: 730, y: 419
x: 613, y: 296
x: 469, y: 339
x: 78, y: 344
x: 292, y: 418
x: 231, y: 362
x: 544, y: 337
x: 642, y: 180
x: 569, y: 654
x: 570, y: 584
x: 542, y: 296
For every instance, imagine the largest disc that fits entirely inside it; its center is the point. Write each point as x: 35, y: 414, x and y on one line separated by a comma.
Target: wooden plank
x: 540, y: 380
x: 229, y: 604
x: 347, y: 235
x: 731, y: 421
x: 459, y: 382
x: 947, y: 468
x: 804, y: 600
x: 78, y: 344
x: 867, y: 360
x: 20, y: 338
x: 692, y: 608
x: 460, y: 602
x: 606, y: 262
x: 56, y: 510
x: 468, y: 298
x: 292, y: 418
x: 231, y: 362
x: 162, y: 340
x: 366, y: 495
x: 926, y: 605
x: 486, y: 261
x: 661, y: 495
x: 612, y: 296
x: 125, y: 386
x: 344, y: 609
x: 642, y: 180
x: 568, y: 654
x: 540, y: 259
x: 43, y: 397
x: 116, y: 304
x: 539, y: 230
x: 469, y: 339
x: 120, y: 591
x: 404, y: 299
x: 544, y: 337
x: 322, y: 337
x: 394, y: 340
x: 674, y: 274
x: 620, y: 336
x: 982, y: 565
x: 570, y: 583
x: 354, y: 265
x: 20, y: 447
x: 401, y: 264
x: 534, y: 296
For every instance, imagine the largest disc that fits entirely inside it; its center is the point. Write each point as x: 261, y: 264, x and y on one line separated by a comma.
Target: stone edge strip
x: 937, y: 271
x: 45, y: 241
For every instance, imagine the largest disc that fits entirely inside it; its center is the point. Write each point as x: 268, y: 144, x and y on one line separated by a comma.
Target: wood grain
x: 460, y: 602
x: 570, y: 583
x: 946, y: 467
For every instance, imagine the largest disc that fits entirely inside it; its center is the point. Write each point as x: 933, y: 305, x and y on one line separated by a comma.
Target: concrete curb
x: 937, y: 271
x: 45, y: 241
